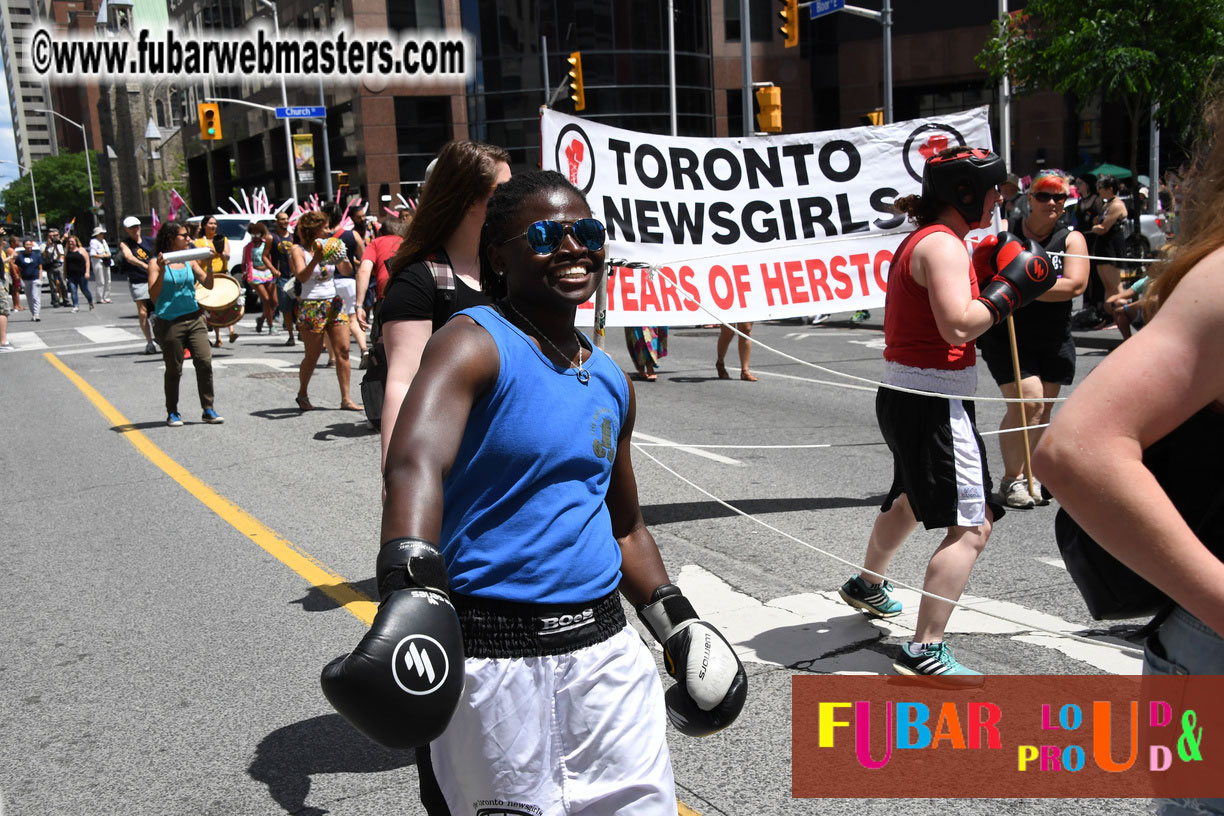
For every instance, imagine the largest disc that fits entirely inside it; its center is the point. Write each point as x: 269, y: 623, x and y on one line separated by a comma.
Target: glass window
x: 760, y: 17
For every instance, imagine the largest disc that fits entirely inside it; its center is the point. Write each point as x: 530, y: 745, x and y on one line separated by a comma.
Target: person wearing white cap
x: 135, y: 254
x: 100, y: 263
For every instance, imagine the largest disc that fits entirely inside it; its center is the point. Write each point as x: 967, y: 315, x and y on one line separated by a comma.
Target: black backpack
x: 374, y: 382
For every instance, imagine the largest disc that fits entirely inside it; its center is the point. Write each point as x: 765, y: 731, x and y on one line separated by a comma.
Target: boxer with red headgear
x: 933, y: 311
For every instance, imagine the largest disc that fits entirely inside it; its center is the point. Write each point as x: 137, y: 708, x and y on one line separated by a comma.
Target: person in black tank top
x: 1166, y: 384
x: 1043, y: 337
x: 76, y: 269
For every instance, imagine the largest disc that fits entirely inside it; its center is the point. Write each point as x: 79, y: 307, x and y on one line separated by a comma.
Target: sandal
x: 748, y: 376
x: 303, y: 404
x: 722, y: 371
x: 351, y: 406
x: 233, y: 338
x: 217, y: 344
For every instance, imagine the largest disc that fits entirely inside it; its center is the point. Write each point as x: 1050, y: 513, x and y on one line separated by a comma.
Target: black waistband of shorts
x: 504, y: 629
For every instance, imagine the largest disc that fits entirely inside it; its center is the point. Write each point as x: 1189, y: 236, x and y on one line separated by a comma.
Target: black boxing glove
x: 402, y: 683
x: 1022, y: 273
x: 409, y: 562
x: 711, y: 684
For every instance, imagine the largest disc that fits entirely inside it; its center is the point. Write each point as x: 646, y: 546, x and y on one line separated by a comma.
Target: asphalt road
x: 170, y: 593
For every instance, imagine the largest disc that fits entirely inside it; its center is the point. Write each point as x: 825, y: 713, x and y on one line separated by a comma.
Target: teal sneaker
x: 935, y: 660
x: 874, y: 600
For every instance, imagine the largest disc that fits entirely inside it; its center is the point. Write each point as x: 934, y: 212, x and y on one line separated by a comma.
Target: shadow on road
x: 345, y: 430
x: 696, y: 511
x: 317, y: 600
x: 286, y: 759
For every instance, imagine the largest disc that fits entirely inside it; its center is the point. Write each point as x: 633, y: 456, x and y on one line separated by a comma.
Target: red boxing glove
x: 983, y: 255
x: 1021, y: 274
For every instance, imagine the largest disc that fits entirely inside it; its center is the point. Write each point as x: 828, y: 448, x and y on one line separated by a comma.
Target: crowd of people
x: 465, y: 310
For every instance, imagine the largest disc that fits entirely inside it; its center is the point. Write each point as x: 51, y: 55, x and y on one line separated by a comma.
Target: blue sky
x: 8, y: 144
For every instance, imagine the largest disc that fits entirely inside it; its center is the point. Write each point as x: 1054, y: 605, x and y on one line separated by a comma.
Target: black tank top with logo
x: 1039, y: 321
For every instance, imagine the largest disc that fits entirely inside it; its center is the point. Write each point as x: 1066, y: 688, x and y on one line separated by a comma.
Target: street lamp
x: 285, y: 103
x: 93, y: 200
x: 33, y: 194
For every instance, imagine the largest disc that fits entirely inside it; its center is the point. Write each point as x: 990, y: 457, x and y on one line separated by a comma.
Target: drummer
x: 179, y: 320
x: 211, y: 238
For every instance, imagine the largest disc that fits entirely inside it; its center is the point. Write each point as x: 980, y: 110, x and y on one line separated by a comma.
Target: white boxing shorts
x: 582, y: 732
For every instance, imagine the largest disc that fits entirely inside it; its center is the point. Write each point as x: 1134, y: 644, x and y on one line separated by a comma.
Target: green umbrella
x: 1112, y: 170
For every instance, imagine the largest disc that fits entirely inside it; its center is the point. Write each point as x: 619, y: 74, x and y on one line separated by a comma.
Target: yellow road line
x: 358, y: 604
x: 334, y: 586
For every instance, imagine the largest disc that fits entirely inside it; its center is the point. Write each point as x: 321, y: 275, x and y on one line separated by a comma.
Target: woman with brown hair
x: 209, y: 238
x: 1111, y: 238
x: 260, y: 275
x: 436, y: 270
x: 1148, y: 487
x: 320, y: 309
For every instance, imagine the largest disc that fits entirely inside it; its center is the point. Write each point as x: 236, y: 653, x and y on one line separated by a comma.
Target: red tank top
x: 910, y: 335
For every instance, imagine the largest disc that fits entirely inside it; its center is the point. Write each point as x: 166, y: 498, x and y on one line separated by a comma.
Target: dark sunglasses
x: 545, y: 237
x: 1046, y: 198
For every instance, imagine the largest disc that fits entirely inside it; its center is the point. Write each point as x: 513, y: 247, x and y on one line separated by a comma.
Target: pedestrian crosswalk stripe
x: 107, y: 334
x: 26, y: 341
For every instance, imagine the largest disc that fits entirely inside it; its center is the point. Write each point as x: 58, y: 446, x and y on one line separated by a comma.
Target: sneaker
x: 816, y: 320
x: 874, y: 600
x: 860, y: 316
x: 934, y: 660
x: 365, y: 361
x: 1016, y: 494
x: 174, y: 420
x: 7, y: 347
x: 75, y: 309
x: 1039, y: 494
x: 150, y: 348
x: 210, y: 416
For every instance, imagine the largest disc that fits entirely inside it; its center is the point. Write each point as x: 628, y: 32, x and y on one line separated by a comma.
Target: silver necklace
x: 584, y: 376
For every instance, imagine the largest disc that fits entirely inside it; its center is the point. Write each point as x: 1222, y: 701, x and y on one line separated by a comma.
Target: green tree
x: 1134, y: 52
x: 62, y: 185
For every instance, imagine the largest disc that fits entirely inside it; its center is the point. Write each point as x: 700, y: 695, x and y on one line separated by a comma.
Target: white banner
x: 751, y: 228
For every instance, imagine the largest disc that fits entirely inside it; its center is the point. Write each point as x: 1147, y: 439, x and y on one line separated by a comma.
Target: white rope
x: 1107, y: 260
x: 656, y: 269
x: 1023, y: 625
x: 810, y: 446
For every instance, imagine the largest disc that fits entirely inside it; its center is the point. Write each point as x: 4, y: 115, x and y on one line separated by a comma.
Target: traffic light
x: 769, y: 120
x: 790, y: 22
x: 579, y: 90
x: 210, y: 120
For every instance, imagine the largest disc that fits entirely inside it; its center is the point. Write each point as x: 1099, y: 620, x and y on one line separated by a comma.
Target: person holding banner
x: 933, y: 311
x: 1046, y: 351
x: 744, y: 347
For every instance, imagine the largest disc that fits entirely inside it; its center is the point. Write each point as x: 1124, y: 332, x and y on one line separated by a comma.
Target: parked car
x: 1154, y: 231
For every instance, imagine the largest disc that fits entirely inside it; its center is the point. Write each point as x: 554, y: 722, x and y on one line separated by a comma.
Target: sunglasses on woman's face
x: 1046, y: 198
x: 545, y: 237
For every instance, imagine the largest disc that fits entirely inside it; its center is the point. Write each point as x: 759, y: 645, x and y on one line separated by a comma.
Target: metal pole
x: 293, y: 190
x: 544, y: 62
x: 93, y: 202
x: 1154, y: 161
x: 327, y: 185
x: 33, y: 195
x: 886, y: 21
x: 671, y: 62
x: 746, y: 50
x: 1005, y: 105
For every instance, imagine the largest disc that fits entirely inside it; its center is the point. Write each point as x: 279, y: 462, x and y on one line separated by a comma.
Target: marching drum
x: 222, y: 304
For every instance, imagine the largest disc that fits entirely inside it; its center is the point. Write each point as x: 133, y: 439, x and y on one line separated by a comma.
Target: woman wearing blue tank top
x: 512, y: 454
x: 179, y: 322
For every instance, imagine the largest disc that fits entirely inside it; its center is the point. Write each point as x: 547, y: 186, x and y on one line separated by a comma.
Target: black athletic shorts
x: 1050, y: 361
x: 939, y: 460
